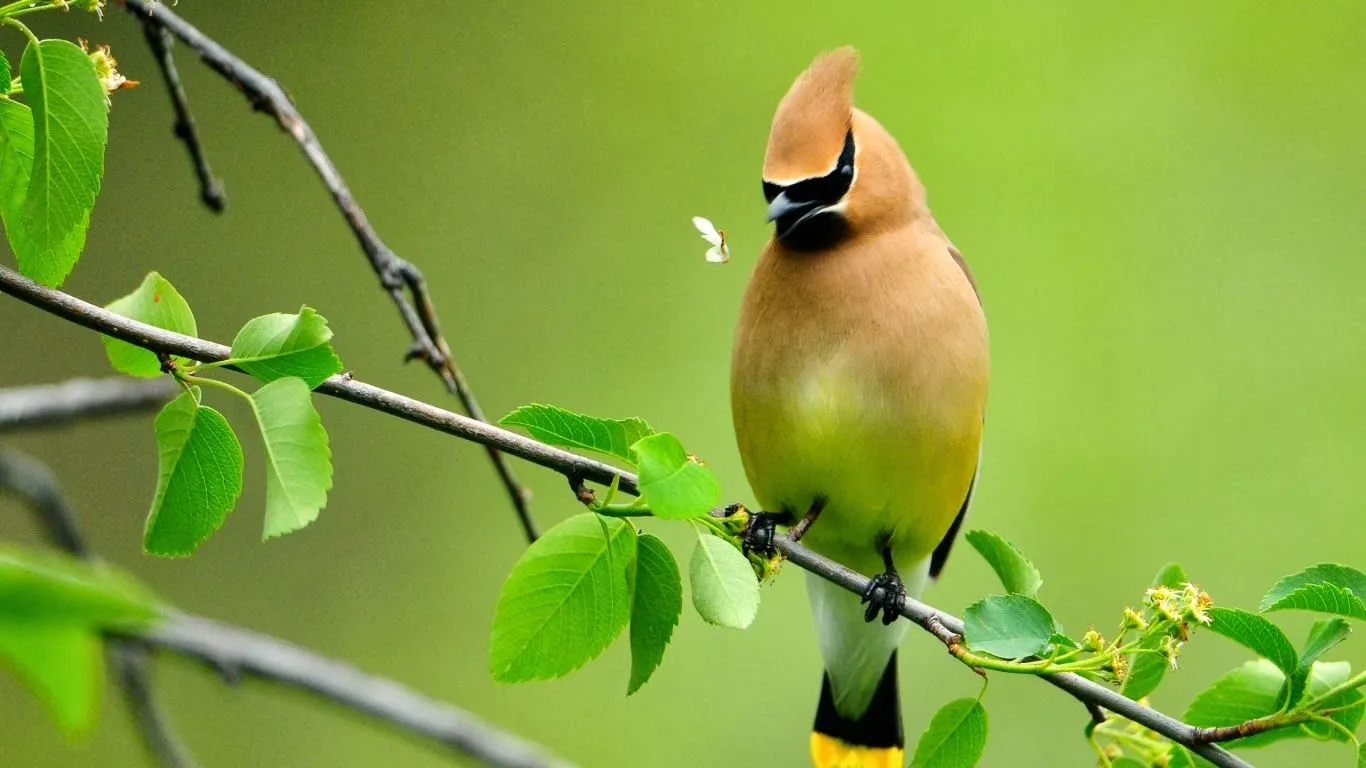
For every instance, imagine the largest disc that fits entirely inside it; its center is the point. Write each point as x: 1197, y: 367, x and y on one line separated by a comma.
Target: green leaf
x: 61, y: 664
x: 1361, y: 756
x: 1017, y: 574
x: 1146, y: 669
x: 155, y: 302
x: 1257, y: 634
x: 725, y: 590
x: 549, y: 424
x: 1325, y: 634
x: 298, y: 459
x: 655, y: 608
x: 40, y: 586
x: 955, y: 738
x: 278, y: 345
x: 16, y: 162
x: 567, y: 598
x: 6, y: 75
x: 52, y: 609
x: 70, y: 130
x: 1326, y: 588
x: 1007, y: 626
x: 1180, y: 758
x: 1172, y: 575
x: 199, y: 477
x: 674, y: 484
x: 1254, y: 690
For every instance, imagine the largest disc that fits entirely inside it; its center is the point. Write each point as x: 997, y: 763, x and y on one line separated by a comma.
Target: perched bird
x: 858, y: 388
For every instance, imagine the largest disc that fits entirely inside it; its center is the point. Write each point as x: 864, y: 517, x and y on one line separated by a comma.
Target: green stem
x: 218, y: 384
x: 622, y: 510
x: 32, y: 38
x: 1356, y: 681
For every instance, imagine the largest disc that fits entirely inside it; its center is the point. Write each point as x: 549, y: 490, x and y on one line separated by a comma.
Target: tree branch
x: 210, y: 188
x: 352, y: 390
x: 236, y: 652
x: 34, y: 482
x: 399, y: 277
x: 577, y: 469
x: 48, y: 405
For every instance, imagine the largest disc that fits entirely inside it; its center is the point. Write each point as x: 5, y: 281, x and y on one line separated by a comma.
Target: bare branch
x: 210, y: 188
x: 33, y: 481
x: 399, y: 277
x: 236, y: 652
x: 578, y: 469
x: 48, y: 405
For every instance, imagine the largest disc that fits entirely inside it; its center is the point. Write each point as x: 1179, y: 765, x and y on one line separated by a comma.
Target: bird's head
x: 830, y: 170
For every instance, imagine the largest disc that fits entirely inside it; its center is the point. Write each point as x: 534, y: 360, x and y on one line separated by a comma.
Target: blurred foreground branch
x: 48, y: 405
x: 236, y: 652
x: 404, y: 283
x: 33, y: 482
x: 578, y: 468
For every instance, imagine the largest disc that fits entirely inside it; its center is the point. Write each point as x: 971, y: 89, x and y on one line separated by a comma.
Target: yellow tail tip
x: 830, y: 752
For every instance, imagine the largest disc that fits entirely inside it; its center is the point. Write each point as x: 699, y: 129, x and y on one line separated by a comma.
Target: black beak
x: 782, y: 208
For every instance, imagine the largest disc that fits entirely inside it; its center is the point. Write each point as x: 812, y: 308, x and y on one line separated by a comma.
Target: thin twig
x: 578, y: 469
x: 33, y: 481
x: 47, y: 405
x: 210, y: 188
x: 399, y: 277
x: 236, y: 652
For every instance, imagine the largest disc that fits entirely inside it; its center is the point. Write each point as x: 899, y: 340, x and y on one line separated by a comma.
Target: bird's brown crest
x: 813, y: 118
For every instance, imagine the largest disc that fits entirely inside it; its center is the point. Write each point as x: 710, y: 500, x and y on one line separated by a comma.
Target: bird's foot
x: 886, y: 595
x: 758, y: 534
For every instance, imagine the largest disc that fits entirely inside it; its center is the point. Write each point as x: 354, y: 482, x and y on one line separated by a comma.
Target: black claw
x: 758, y: 535
x: 886, y: 595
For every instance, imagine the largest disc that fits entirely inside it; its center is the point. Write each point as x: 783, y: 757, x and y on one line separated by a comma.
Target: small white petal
x: 707, y: 229
x: 718, y: 255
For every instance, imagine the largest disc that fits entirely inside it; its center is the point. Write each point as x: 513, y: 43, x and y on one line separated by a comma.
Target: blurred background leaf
x: 1162, y: 206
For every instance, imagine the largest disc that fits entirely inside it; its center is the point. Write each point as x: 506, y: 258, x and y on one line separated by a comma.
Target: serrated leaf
x: 1007, y: 626
x: 16, y: 162
x: 1255, y: 633
x: 567, y: 598
x: 655, y: 608
x: 199, y: 477
x: 725, y: 590
x: 557, y: 426
x: 70, y: 131
x: 955, y: 737
x: 278, y: 345
x: 155, y: 302
x: 1325, y: 634
x: 298, y: 459
x: 1254, y: 690
x: 52, y: 609
x: 1017, y: 574
x: 674, y: 484
x: 1326, y: 588
x: 6, y: 75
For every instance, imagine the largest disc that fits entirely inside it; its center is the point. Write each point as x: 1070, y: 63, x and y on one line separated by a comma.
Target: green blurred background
x: 1163, y: 208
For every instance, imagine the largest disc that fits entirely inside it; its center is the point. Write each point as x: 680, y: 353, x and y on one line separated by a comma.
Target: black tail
x: 875, y: 736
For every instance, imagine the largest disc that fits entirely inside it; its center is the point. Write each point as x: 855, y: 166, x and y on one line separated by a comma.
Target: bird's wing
x: 941, y: 552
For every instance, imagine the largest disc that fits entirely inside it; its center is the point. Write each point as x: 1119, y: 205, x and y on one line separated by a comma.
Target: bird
x: 858, y: 390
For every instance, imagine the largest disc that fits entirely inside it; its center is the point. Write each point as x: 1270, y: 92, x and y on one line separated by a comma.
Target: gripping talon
x: 758, y: 535
x: 885, y: 594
